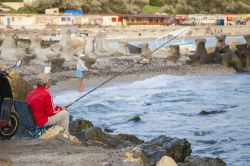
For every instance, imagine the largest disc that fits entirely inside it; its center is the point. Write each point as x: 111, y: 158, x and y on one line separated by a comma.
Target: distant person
x: 81, y: 71
x: 41, y: 103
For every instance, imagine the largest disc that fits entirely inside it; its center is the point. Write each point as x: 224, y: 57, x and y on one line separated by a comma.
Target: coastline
x: 93, y: 80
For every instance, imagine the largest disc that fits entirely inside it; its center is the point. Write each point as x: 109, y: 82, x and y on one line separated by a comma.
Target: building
x: 52, y: 11
x: 147, y: 19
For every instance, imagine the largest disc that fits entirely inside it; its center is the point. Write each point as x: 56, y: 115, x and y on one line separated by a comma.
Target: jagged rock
x: 202, y: 161
x: 166, y: 161
x: 135, y: 155
x: 122, y: 49
x: 79, y: 125
x: 58, y: 132
x: 56, y: 64
x: 131, y: 138
x: 231, y: 60
x: 96, y: 137
x: 89, y: 62
x: 176, y: 148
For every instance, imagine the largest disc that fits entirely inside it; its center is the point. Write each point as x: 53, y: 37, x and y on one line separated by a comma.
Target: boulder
x: 202, y: 161
x: 135, y: 155
x: 56, y: 64
x: 20, y: 87
x: 166, y: 161
x: 58, y: 133
x: 79, y: 125
x: 96, y: 137
x: 131, y: 138
x: 176, y: 148
x: 5, y: 162
x: 24, y: 56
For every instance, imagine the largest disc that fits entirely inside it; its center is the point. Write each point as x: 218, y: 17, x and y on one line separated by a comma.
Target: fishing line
x: 124, y: 70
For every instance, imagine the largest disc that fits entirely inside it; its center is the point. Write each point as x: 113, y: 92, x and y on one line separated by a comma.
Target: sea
x: 174, y: 106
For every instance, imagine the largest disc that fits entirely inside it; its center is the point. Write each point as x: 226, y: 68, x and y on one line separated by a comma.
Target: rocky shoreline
x: 90, y: 146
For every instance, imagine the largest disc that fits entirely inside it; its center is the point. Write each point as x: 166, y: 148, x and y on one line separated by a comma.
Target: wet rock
x: 96, y: 134
x: 131, y: 138
x: 135, y: 119
x: 135, y: 155
x: 207, y: 112
x: 108, y: 130
x: 202, y: 161
x: 96, y: 137
x: 166, y: 161
x: 79, y: 125
x: 176, y: 148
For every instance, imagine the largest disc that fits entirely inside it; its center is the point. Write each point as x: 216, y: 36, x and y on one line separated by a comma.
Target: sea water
x: 171, y: 105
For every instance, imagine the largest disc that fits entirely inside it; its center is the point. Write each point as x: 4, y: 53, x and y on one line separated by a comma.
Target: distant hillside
x: 147, y: 6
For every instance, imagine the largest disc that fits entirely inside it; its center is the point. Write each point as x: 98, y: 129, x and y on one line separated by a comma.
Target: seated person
x: 44, y: 112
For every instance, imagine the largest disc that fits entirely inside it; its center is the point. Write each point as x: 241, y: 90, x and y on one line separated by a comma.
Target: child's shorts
x: 80, y: 73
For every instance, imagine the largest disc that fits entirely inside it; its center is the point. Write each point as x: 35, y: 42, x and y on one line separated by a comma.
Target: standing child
x: 80, y: 71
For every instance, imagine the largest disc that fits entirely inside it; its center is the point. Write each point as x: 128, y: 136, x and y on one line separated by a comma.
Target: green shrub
x: 151, y: 9
x: 27, y: 9
x: 156, y: 3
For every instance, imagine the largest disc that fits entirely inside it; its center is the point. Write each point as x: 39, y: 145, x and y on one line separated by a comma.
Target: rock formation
x: 174, y: 53
x: 243, y: 51
x: 8, y: 48
x: 228, y: 58
x: 176, y: 148
x: 100, y: 44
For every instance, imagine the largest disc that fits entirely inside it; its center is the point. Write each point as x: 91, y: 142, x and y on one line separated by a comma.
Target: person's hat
x: 43, y: 79
x: 81, y: 55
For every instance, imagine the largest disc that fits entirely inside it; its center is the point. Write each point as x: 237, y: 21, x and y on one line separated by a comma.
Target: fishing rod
x: 125, y: 69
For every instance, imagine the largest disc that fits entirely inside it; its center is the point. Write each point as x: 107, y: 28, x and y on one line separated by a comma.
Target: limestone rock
x: 52, y: 133
x: 5, y: 162
x: 79, y: 125
x: 58, y: 133
x: 166, y: 161
x: 176, y: 148
x: 135, y: 155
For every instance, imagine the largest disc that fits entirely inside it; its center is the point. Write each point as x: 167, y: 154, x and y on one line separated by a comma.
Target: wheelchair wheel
x: 11, y: 129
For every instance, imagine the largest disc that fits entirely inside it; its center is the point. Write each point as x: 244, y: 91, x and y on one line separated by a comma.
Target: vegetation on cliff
x: 172, y: 7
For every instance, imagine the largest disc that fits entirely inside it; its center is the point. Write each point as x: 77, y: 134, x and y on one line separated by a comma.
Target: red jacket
x: 40, y: 101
